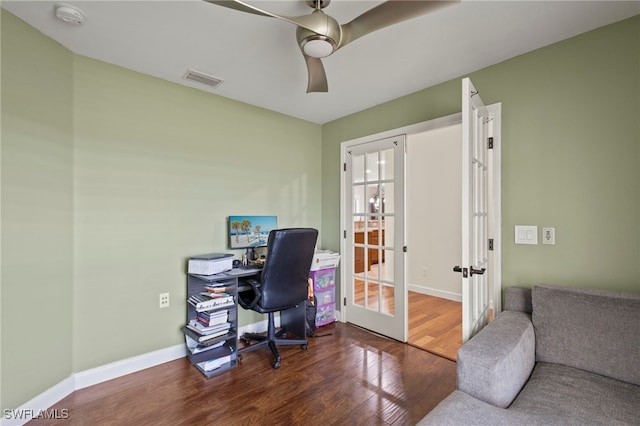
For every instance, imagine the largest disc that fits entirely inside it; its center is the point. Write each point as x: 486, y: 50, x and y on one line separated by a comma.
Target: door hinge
x: 490, y: 143
x: 491, y: 244
x: 344, y: 167
x: 404, y: 249
x: 344, y: 234
x: 344, y: 301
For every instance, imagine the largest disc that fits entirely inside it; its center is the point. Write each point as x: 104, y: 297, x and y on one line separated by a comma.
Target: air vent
x: 203, y: 78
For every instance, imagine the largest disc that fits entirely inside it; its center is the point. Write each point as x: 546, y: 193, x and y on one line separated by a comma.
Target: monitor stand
x: 251, y: 254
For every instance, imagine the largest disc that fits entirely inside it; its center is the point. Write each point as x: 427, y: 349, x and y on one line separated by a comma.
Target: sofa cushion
x: 461, y: 409
x: 593, y: 330
x: 517, y: 299
x: 578, y: 397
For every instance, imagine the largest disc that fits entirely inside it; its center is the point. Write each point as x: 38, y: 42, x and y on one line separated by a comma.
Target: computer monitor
x: 247, y: 232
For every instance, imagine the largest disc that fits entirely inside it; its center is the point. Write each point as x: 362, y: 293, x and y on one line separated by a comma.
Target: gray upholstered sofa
x: 554, y: 356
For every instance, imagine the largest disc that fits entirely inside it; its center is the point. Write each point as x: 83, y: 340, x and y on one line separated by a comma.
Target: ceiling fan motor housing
x: 325, y: 38
x: 314, y: 3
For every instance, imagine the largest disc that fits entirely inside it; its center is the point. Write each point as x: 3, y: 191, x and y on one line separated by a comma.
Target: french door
x: 374, y: 235
x: 373, y: 217
x: 475, y: 212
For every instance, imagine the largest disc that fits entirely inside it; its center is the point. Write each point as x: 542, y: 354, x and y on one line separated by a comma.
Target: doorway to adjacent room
x: 431, y: 251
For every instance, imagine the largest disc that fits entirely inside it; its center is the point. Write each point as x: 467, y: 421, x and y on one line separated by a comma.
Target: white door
x: 475, y: 215
x: 374, y: 235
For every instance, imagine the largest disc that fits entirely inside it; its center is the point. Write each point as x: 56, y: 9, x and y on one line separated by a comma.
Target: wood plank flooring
x: 435, y: 324
x: 351, y: 377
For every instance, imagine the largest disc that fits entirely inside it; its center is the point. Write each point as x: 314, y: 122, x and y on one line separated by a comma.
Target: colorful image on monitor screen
x: 250, y: 231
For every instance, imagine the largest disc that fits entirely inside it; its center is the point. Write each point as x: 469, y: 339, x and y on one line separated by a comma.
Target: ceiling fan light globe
x: 318, y: 46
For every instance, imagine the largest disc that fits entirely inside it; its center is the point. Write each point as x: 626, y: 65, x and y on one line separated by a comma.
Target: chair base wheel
x: 304, y: 347
x: 276, y: 364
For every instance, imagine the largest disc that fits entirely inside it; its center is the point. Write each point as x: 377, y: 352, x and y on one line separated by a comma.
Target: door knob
x: 477, y: 271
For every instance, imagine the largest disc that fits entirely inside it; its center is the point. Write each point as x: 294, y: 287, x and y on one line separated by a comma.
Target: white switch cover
x: 526, y: 234
x: 549, y: 236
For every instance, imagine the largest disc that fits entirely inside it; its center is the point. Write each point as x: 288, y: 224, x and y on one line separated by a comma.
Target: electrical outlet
x: 425, y: 272
x: 164, y: 300
x: 549, y: 236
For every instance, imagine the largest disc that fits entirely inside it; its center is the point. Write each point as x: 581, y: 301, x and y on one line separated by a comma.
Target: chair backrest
x: 286, y: 272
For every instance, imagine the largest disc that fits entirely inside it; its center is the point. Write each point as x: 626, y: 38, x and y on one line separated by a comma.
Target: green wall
x: 110, y: 180
x: 570, y: 155
x: 37, y: 212
x: 158, y: 168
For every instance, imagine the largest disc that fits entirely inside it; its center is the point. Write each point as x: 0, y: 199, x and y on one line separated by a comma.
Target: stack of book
x: 209, y: 319
x: 203, y: 333
x: 206, y: 301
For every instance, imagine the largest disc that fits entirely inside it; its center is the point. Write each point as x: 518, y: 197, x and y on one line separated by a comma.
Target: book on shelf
x: 219, y: 289
x: 204, y: 339
x: 195, y: 348
x: 211, y: 295
x: 196, y: 326
x: 203, y: 303
x: 209, y: 319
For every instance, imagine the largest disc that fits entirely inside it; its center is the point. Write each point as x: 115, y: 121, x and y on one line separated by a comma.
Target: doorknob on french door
x: 463, y: 270
x: 477, y: 271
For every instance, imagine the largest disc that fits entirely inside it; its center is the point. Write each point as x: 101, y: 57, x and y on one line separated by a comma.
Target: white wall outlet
x: 549, y: 236
x: 526, y: 234
x: 164, y: 300
x: 425, y: 271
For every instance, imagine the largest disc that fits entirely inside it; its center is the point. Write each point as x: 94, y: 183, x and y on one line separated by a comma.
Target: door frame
x: 495, y: 222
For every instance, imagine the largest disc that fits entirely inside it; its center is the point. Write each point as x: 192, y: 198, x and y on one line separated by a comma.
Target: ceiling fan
x: 319, y: 35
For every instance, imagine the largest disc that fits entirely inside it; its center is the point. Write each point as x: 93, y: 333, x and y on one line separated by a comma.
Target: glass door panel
x: 376, y: 176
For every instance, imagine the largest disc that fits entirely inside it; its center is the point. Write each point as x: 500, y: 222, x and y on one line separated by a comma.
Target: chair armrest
x: 248, y: 298
x: 494, y: 365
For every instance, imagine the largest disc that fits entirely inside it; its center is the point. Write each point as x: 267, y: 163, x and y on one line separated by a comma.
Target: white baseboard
x: 439, y: 293
x: 435, y: 292
x: 32, y: 408
x: 257, y: 327
x: 123, y: 367
x: 41, y: 403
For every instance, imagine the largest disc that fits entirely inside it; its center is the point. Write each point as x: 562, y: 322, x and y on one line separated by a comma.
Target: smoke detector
x: 69, y: 13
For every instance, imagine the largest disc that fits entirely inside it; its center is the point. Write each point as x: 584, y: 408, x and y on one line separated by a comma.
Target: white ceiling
x: 260, y: 63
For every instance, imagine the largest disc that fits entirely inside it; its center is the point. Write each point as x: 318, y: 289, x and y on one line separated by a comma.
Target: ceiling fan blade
x: 312, y: 23
x: 388, y: 13
x: 317, y: 76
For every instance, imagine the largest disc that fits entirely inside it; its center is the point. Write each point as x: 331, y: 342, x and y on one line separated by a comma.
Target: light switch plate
x: 526, y: 234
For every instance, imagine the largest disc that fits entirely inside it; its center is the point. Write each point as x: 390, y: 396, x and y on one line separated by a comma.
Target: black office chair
x: 283, y: 284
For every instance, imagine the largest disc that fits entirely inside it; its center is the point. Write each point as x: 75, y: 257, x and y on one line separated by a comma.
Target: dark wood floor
x: 350, y: 377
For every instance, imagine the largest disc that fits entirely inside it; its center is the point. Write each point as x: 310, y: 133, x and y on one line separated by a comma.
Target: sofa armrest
x: 496, y: 363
